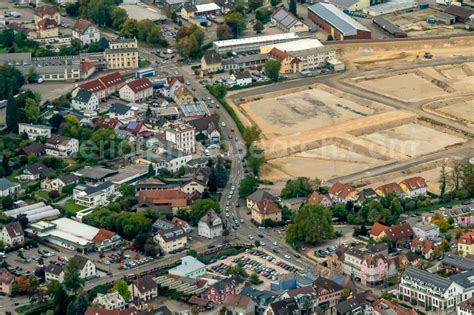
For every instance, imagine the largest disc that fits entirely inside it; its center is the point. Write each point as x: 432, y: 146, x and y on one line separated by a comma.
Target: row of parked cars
x: 273, y: 260
x: 324, y: 252
x: 220, y: 268
x: 134, y: 263
x: 258, y: 267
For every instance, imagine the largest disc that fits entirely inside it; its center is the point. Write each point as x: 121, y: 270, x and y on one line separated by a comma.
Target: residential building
x: 85, y: 101
x: 426, y: 230
x: 110, y: 301
x: 182, y: 95
x: 319, y: 199
x: 59, y: 182
x: 12, y: 234
x: 132, y: 310
x: 253, y: 61
x: 86, y: 32
x: 210, y: 225
x: 6, y: 281
x: 171, y: 240
x: 288, y: 63
x: 429, y: 290
x: 144, y: 288
x: 338, y: 24
x: 174, y: 198
x: 36, y: 148
x: 137, y: 90
x: 36, y: 171
x: 61, y: 146
x: 54, y: 272
x: 265, y: 210
x: 399, y: 235
x: 414, y: 187
x: 208, y: 126
x: 382, y: 307
x: 466, y: 244
x: 287, y: 22
x: 122, y: 54
x: 183, y: 137
x: 239, y: 304
x: 211, y: 63
x: 95, y: 174
x: 422, y: 246
x: 34, y: 131
x: 259, y: 195
x: 281, y: 307
x: 348, y: 307
x: 455, y: 264
x: 328, y: 293
x: 120, y: 111
x: 190, y: 10
x: 366, y: 194
x: 218, y: 292
x: 261, y: 298
x: 47, y: 20
x: 87, y: 268
x: 250, y: 43
x: 93, y: 196
x: 342, y: 193
x: 194, y: 184
x: 466, y: 307
x: 390, y: 188
x: 190, y: 267
x: 170, y: 159
x: 241, y: 78
x: 173, y: 83
x: 8, y: 188
x: 181, y: 223
x: 104, y: 86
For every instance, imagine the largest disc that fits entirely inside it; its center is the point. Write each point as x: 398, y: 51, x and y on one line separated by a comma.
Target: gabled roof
x: 83, y: 96
x: 459, y: 11
x: 102, y: 235
x: 34, y: 148
x: 112, y: 79
x: 285, y: 307
x: 212, y: 59
x: 93, y: 86
x: 104, y: 122
x: 140, y: 84
x: 266, y: 207
x: 326, y: 286
x: 377, y: 228
x: 146, y: 284
x: 58, y: 139
x: 367, y: 193
x: 14, y: 229
x: 39, y: 169
x: 202, y: 124
x: 81, y: 261
x: 341, y: 190
x: 82, y: 25
x: 347, y: 306
x: 428, y: 278
x: 413, y: 183
x: 54, y: 269
x: 424, y: 245
x: 156, y: 195
x: 68, y: 178
x: 45, y: 24
x: 6, y: 276
x: 284, y: 17
x: 390, y: 188
x: 181, y: 91
x: 234, y: 281
x: 261, y: 194
x: 6, y: 184
x: 172, y: 80
x: 237, y: 300
x: 316, y: 198
x: 278, y: 54
x: 397, y: 232
x: 210, y: 218
x: 242, y: 75
x: 467, y: 238
x: 120, y: 109
x: 46, y: 10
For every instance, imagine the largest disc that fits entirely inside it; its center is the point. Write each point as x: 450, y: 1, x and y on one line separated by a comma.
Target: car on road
x: 262, y: 244
x: 227, y: 215
x: 241, y: 220
x: 211, y: 246
x: 287, y: 256
x: 260, y: 235
x: 251, y: 237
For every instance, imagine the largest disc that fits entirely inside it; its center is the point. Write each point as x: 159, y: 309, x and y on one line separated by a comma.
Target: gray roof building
x: 429, y: 279
x: 464, y: 279
x: 6, y: 184
x: 260, y: 195
x: 83, y: 96
x: 119, y: 109
x: 338, y: 19
x: 458, y: 262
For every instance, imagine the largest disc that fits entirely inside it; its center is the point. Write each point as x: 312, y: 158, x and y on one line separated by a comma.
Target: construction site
x: 377, y: 120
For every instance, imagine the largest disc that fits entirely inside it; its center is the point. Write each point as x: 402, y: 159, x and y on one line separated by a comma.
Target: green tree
x: 72, y: 278
x: 218, y: 90
x: 443, y: 178
x: 11, y: 80
x: 130, y: 28
x: 272, y: 69
x: 255, y: 162
x: 258, y: 27
x: 263, y: 15
x: 236, y: 23
x: 151, y: 171
x: 12, y: 114
x: 221, y: 174
x: 254, y: 278
x: 298, y: 187
x: 72, y: 9
x: 6, y: 164
x: 212, y: 182
x: 8, y: 37
x: 251, y: 135
x: 33, y: 76
x: 119, y: 16
x: 200, y: 207
x: 32, y: 110
x: 121, y: 287
x: 127, y: 191
x: 71, y: 309
x: 311, y: 224
x: 248, y: 186
x: 330, y: 37
x: 223, y: 31
x: 292, y: 7
x: 59, y: 296
x: 274, y: 2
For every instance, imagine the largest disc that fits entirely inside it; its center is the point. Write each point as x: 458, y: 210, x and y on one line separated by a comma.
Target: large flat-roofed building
x: 294, y: 45
x: 251, y: 43
x: 122, y: 54
x: 74, y: 235
x: 340, y: 25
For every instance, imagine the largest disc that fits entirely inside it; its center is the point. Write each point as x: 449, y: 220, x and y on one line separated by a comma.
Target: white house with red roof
x: 319, y: 199
x: 47, y: 20
x: 424, y: 247
x: 414, y: 187
x: 86, y: 32
x: 342, y: 193
x: 137, y: 90
x: 104, y: 86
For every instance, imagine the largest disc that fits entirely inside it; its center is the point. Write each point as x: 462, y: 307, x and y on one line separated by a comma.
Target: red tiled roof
x: 171, y: 80
x: 102, y: 235
x: 390, y: 188
x: 82, y: 25
x: 416, y: 182
x: 151, y: 195
x: 86, y: 66
x: 278, y: 54
x: 93, y: 86
x: 340, y: 189
x: 104, y: 122
x: 6, y: 276
x: 140, y: 85
x: 45, y: 24
x: 266, y: 207
x: 237, y: 300
x: 397, y: 232
x: 316, y: 198
x: 112, y: 79
x: 42, y: 11
x: 92, y: 310
x: 377, y: 228
x: 304, y: 290
x: 467, y: 238
x: 424, y: 245
x: 181, y: 91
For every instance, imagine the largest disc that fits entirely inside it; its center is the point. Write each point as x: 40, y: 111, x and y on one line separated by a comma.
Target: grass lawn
x: 143, y: 63
x: 71, y: 207
x: 34, y: 308
x: 43, y: 194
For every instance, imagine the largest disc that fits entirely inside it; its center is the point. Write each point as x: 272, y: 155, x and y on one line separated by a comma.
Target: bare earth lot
x: 462, y: 110
x: 406, y: 87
